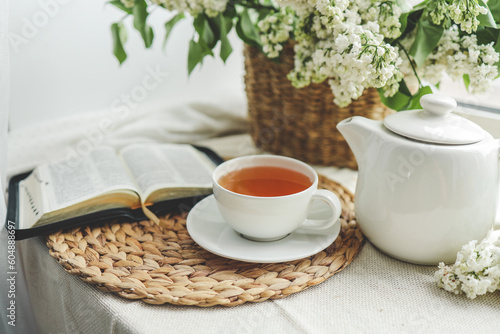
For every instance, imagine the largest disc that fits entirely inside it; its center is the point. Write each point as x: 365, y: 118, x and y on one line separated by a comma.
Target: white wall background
x: 62, y: 62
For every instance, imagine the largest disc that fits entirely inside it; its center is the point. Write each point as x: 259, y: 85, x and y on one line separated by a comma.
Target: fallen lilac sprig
x: 476, y: 270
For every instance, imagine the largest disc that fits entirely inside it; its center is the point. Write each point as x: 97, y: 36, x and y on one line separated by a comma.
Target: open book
x: 137, y: 182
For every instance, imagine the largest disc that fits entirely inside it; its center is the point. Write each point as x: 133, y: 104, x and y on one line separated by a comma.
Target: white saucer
x: 209, y: 230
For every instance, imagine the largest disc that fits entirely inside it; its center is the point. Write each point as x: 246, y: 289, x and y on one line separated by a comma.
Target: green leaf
x: 118, y: 4
x: 486, y: 35
x: 140, y: 13
x: 119, y: 34
x: 225, y: 45
x: 412, y: 20
x: 403, y: 99
x: 195, y: 55
x: 242, y: 35
x: 215, y: 27
x: 398, y: 101
x: 487, y: 19
x: 209, y: 31
x: 494, y: 7
x: 169, y: 25
x: 197, y: 51
x: 497, y: 43
x: 421, y: 5
x: 403, y: 20
x: 426, y: 39
x: 415, y: 99
x: 148, y: 36
x: 466, y: 81
x: 228, y: 22
x: 204, y: 30
x: 246, y: 30
x: 403, y: 88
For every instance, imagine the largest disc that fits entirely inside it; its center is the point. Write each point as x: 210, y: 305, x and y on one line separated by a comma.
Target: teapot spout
x: 359, y: 132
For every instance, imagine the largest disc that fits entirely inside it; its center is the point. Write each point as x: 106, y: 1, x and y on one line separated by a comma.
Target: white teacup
x: 272, y: 218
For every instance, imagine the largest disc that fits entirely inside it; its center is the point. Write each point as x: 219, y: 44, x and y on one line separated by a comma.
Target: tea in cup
x: 266, y: 197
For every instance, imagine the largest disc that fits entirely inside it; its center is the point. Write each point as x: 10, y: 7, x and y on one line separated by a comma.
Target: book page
x: 99, y: 172
x: 31, y: 202
x: 161, y: 166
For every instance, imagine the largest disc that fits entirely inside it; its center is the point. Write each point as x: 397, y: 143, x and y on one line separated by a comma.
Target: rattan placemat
x: 162, y: 264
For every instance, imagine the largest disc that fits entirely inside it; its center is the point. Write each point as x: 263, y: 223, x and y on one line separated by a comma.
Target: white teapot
x: 427, y: 182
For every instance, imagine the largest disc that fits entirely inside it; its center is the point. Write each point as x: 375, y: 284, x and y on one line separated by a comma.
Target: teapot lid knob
x: 435, y: 123
x: 437, y: 104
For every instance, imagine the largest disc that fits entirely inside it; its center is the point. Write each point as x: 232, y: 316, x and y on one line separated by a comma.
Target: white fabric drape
x: 14, y: 300
x: 4, y: 94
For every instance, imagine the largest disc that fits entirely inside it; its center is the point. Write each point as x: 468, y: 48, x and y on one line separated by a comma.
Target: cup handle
x: 320, y: 224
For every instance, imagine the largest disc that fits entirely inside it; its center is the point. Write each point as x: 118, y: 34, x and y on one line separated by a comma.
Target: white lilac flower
x: 325, y: 7
x: 194, y: 7
x: 346, y: 49
x: 345, y: 46
x: 465, y: 12
x: 437, y: 10
x: 304, y: 68
x: 475, y: 272
x: 457, y: 56
x: 385, y: 13
x: 180, y: 6
x: 214, y: 7
x: 275, y: 30
x: 301, y: 7
x: 447, y: 279
x: 128, y: 3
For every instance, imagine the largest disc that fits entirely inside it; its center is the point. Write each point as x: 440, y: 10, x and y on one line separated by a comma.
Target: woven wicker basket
x: 300, y: 123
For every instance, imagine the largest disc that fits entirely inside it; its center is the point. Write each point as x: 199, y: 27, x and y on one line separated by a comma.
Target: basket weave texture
x: 161, y: 264
x: 300, y: 123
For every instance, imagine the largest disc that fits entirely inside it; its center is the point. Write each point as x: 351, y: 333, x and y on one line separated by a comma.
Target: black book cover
x: 96, y: 218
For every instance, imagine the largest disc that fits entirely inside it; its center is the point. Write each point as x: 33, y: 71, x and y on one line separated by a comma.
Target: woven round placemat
x: 162, y: 264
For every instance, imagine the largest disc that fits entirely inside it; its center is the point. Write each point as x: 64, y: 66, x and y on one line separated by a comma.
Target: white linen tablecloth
x: 374, y: 294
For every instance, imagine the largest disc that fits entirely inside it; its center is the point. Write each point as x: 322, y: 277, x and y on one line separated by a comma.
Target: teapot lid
x: 435, y: 123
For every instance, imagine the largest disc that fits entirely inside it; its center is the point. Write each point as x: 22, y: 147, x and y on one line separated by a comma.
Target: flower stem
x: 411, y: 64
x: 124, y: 17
